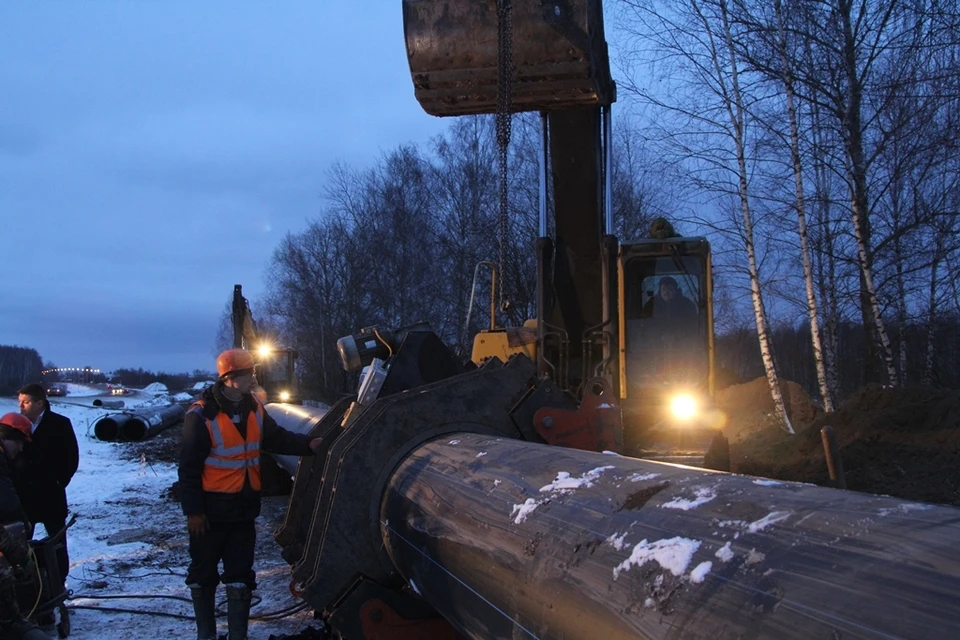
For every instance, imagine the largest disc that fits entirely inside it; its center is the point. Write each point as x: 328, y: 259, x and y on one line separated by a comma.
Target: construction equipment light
x: 683, y: 406
x: 264, y: 350
x: 284, y: 396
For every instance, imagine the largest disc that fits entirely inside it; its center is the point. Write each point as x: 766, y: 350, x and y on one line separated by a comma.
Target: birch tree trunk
x: 736, y: 114
x: 932, y: 313
x: 787, y: 77
x: 856, y: 168
x: 901, y: 306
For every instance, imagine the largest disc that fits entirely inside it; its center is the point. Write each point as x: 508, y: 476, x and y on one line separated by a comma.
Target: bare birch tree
x: 699, y: 37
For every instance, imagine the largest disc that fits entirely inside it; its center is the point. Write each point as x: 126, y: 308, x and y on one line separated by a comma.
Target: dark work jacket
x: 227, y: 507
x: 50, y: 462
x: 11, y: 509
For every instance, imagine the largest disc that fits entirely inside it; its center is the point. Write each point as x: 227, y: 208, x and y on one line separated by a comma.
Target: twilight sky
x: 153, y: 154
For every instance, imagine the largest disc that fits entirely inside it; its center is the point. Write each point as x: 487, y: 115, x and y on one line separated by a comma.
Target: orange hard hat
x: 17, y: 422
x: 233, y: 360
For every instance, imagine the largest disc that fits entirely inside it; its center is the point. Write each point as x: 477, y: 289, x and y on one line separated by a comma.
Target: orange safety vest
x: 232, y: 459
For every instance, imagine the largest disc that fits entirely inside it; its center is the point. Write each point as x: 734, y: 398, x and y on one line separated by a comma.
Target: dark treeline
x: 173, y: 381
x: 738, y: 355
x: 18, y: 366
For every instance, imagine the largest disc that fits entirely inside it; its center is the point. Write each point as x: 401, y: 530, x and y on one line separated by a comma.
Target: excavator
x: 276, y: 372
x: 492, y: 498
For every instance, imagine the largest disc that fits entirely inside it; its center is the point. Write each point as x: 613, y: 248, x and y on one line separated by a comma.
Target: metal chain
x: 503, y: 124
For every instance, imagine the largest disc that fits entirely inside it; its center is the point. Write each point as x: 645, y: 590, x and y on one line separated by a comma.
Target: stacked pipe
x: 138, y: 425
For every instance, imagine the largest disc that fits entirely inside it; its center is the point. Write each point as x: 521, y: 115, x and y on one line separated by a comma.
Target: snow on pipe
x: 507, y: 538
x: 138, y: 425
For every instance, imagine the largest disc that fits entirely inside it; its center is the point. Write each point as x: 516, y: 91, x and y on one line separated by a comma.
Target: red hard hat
x: 234, y: 360
x: 19, y: 423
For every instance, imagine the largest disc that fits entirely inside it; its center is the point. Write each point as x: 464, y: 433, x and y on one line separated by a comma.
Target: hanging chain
x: 504, y: 99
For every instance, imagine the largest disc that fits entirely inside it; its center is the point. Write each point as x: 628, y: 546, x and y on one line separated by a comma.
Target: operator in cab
x: 670, y: 307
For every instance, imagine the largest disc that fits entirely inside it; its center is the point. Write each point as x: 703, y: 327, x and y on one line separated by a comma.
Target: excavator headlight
x: 264, y: 350
x: 684, y: 407
x: 284, y: 396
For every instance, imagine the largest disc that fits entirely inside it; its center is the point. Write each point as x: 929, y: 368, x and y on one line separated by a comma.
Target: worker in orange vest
x: 224, y: 433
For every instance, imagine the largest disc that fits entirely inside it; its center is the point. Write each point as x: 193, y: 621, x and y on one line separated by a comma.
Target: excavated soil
x: 899, y: 442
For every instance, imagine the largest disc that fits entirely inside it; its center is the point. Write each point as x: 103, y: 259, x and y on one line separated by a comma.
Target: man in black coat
x: 50, y: 463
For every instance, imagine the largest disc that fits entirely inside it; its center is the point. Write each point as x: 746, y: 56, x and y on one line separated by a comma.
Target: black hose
x: 270, y: 615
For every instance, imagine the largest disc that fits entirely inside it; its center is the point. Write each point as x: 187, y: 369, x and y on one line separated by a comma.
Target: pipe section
x: 513, y: 539
x: 295, y: 418
x: 137, y: 425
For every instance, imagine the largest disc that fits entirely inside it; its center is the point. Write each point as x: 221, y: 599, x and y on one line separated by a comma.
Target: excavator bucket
x: 558, y: 51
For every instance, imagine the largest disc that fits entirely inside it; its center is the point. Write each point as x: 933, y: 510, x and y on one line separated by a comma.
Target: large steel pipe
x: 296, y: 418
x: 138, y: 425
x: 512, y: 539
x: 107, y: 428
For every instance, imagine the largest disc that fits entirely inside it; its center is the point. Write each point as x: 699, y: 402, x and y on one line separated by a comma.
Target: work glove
x: 197, y: 524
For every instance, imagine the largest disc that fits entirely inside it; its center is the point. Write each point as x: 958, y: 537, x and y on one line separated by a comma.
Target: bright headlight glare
x: 264, y: 350
x: 683, y: 406
x: 284, y: 396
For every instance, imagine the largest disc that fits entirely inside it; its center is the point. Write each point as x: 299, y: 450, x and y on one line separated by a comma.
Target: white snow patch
x: 904, y: 508
x: 616, y: 541
x: 640, y: 477
x: 566, y: 484
x: 673, y: 554
x: 725, y: 553
x: 75, y: 389
x: 156, y: 388
x: 496, y: 483
x: 609, y: 453
x: 767, y: 483
x: 700, y: 572
x: 754, y: 557
x: 771, y: 518
x: 525, y: 509
x: 650, y: 603
x: 481, y: 454
x: 704, y: 495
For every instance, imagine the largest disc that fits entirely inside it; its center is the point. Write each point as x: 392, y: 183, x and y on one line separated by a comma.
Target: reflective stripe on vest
x: 232, y: 458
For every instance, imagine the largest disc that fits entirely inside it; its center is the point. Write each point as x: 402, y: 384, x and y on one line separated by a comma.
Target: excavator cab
x: 276, y: 365
x: 276, y: 374
x: 666, y: 338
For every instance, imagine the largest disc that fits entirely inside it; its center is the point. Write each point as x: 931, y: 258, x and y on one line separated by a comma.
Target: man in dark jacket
x: 16, y: 564
x: 51, y: 460
x: 224, y: 433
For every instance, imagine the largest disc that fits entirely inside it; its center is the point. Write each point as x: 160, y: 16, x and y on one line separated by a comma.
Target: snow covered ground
x: 130, y: 538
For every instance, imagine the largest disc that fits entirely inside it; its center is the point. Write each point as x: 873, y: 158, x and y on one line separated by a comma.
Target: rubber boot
x: 203, y: 609
x: 238, y: 612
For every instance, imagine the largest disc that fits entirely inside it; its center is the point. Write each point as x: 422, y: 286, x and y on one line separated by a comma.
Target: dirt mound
x: 749, y: 408
x: 899, y: 442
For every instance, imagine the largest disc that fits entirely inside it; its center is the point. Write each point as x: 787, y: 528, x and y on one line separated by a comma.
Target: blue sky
x: 153, y: 154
